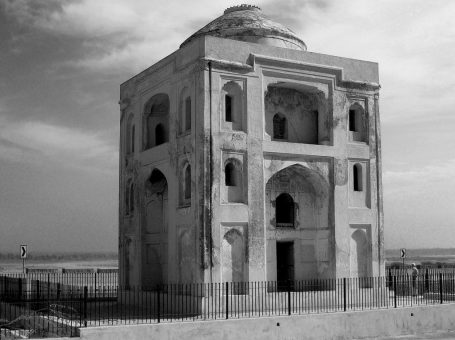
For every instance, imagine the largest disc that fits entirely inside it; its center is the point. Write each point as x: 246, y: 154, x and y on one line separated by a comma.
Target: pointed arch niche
x: 232, y: 111
x: 233, y: 256
x: 156, y: 121
x: 185, y: 111
x: 360, y: 253
x: 357, y: 123
x: 233, y: 180
x: 155, y: 231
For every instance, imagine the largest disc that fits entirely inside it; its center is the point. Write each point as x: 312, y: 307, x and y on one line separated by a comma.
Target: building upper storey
x: 244, y: 32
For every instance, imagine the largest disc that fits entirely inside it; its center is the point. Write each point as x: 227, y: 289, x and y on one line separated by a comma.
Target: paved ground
x: 441, y: 335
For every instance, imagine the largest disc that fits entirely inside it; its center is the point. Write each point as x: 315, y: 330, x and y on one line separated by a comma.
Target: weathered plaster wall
x: 160, y: 239
x: 225, y: 232
x: 350, y: 325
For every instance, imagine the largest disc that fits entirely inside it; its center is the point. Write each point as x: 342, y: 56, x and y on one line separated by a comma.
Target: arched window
x: 233, y: 181
x: 357, y: 124
x: 130, y: 135
x: 352, y: 121
x: 230, y: 175
x: 284, y: 210
x: 131, y: 207
x: 228, y: 108
x: 232, y: 110
x: 184, y: 111
x: 279, y: 126
x: 133, y: 132
x: 160, y: 134
x: 187, y: 183
x: 357, y: 177
x: 188, y: 113
x: 156, y: 112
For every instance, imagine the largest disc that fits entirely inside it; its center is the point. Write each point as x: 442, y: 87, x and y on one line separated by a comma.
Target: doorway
x: 285, y: 264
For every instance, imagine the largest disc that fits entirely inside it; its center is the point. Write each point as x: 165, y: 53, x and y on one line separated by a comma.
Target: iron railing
x: 33, y: 308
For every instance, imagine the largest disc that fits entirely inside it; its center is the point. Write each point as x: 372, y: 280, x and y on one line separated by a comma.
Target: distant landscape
x: 11, y: 262
x: 435, y: 256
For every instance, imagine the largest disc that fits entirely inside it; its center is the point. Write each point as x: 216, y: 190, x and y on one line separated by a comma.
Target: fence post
x: 440, y: 287
x: 289, y: 297
x: 59, y: 290
x: 227, y: 300
x: 427, y: 281
x: 395, y: 290
x: 159, y: 304
x: 38, y: 293
x: 344, y: 294
x: 85, y: 305
x: 20, y: 288
x: 48, y: 289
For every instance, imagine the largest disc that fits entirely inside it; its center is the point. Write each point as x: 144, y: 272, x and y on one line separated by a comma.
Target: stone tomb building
x: 244, y: 157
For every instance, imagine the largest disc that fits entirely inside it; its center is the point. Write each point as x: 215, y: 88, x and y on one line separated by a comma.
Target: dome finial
x: 242, y: 7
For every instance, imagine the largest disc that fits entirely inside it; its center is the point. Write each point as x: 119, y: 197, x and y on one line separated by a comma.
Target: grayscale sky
x: 61, y: 64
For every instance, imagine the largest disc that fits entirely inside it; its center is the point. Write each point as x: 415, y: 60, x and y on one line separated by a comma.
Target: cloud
x: 115, y: 34
x: 38, y: 142
x: 427, y: 179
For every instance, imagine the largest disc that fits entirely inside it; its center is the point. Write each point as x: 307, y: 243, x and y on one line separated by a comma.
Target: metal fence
x: 36, y: 308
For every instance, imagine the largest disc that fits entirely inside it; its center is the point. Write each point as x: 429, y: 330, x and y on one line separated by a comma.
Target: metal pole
x: 344, y: 294
x: 395, y: 291
x: 289, y: 297
x: 159, y: 304
x: 227, y: 300
x: 440, y: 287
x: 85, y: 305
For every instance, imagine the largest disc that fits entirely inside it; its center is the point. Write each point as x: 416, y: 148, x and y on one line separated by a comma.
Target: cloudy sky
x: 61, y: 64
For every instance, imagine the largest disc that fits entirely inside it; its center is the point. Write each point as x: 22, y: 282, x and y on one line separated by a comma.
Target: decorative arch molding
x: 309, y: 193
x: 153, y: 185
x: 314, y: 168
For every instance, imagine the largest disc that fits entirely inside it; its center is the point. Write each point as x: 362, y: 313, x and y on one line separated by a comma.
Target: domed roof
x: 247, y: 23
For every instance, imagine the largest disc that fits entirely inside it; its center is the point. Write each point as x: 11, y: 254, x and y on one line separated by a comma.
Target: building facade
x: 244, y: 157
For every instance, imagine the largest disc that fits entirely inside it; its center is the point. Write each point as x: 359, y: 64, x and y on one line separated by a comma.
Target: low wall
x: 350, y: 325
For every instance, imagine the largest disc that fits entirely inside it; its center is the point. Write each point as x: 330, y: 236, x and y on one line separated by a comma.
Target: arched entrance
x: 297, y: 224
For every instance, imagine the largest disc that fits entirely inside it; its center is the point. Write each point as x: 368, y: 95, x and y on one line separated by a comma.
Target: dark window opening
x: 230, y: 179
x: 352, y: 123
x: 228, y: 108
x: 159, y: 135
x: 188, y: 113
x: 133, y: 130
x: 187, y: 183
x: 279, y: 127
x: 132, y: 198
x: 357, y: 177
x: 284, y: 206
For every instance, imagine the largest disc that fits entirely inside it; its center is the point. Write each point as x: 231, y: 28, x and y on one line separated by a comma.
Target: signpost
x: 403, y: 255
x: 23, y: 256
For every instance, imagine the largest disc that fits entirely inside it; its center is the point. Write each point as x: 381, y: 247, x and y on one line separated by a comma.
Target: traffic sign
x: 403, y: 253
x: 23, y: 251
